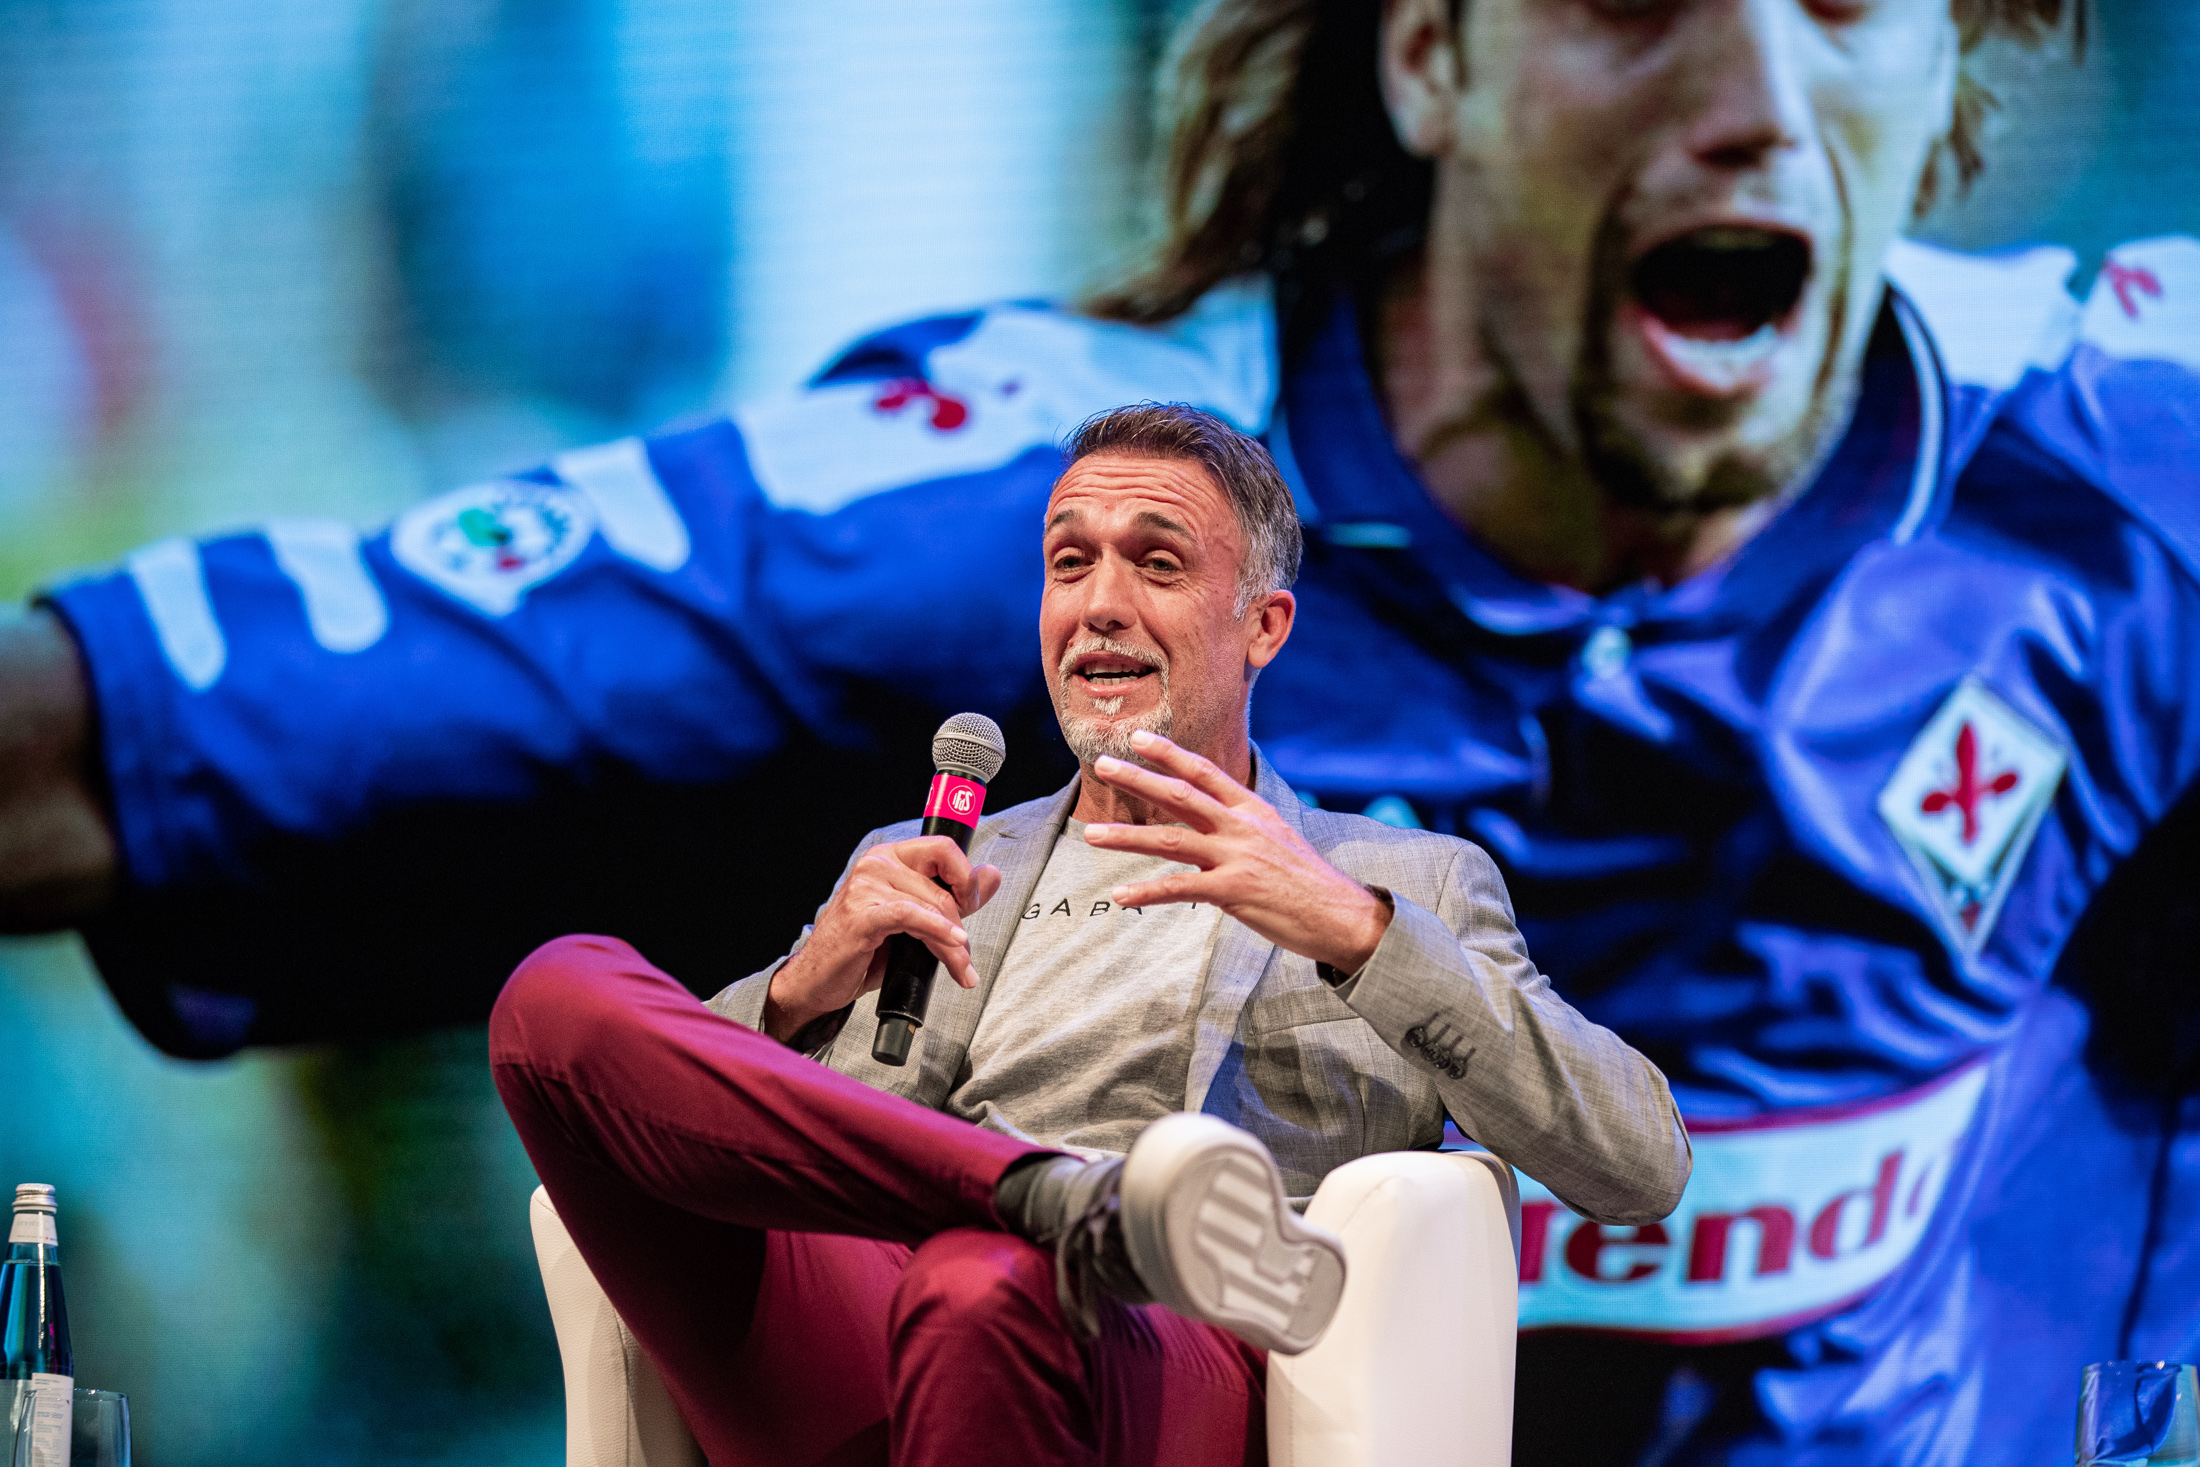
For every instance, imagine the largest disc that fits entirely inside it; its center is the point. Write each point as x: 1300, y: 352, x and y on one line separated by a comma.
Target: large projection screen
x: 260, y: 260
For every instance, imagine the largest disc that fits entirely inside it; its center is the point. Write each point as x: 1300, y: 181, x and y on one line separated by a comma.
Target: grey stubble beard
x: 1088, y: 737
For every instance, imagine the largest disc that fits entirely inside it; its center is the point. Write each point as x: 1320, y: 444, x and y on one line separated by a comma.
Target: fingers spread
x: 1202, y: 773
x: 1188, y: 886
x: 1164, y: 792
x: 1176, y: 842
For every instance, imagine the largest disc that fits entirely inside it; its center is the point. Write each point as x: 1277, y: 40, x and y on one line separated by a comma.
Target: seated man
x: 965, y: 1269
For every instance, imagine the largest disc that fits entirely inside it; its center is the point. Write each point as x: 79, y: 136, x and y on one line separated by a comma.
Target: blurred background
x: 262, y: 258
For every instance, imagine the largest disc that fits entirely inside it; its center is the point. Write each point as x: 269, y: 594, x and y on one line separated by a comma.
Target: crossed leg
x: 815, y: 1266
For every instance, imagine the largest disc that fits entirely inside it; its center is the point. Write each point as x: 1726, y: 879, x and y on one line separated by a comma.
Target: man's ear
x: 1269, y: 622
x: 1423, y: 71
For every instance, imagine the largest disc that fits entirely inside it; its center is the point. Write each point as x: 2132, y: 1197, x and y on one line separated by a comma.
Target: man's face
x: 1138, y: 627
x: 1674, y: 213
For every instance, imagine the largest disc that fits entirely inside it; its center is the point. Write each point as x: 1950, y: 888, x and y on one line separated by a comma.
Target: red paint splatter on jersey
x: 2127, y: 279
x: 947, y: 411
x: 1968, y: 792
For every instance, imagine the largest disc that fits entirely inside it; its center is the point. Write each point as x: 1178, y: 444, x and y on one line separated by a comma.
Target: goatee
x: 1090, y: 736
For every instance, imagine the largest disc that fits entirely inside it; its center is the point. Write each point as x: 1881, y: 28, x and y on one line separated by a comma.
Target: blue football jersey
x: 1813, y: 829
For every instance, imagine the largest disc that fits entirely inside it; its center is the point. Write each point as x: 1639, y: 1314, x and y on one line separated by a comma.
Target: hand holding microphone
x: 898, y: 913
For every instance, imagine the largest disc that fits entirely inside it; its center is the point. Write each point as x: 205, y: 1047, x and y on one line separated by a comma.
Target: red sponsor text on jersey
x: 1788, y: 1217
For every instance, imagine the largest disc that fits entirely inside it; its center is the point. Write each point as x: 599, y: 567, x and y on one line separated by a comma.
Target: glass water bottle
x: 34, y: 1321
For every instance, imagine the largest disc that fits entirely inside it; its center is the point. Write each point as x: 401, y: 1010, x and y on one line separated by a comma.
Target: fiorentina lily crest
x: 1965, y: 803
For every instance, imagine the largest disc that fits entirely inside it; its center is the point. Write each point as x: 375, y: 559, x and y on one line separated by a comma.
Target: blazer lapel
x: 1021, y: 845
x: 1018, y: 840
x: 1241, y: 958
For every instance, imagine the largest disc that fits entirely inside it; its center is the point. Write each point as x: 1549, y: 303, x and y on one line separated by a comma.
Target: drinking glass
x: 2139, y: 1413
x: 100, y: 1430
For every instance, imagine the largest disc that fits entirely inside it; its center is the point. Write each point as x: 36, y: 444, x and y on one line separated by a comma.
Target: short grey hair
x: 1268, y: 519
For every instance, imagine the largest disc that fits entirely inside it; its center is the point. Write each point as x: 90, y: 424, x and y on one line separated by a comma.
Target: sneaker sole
x: 1207, y: 1228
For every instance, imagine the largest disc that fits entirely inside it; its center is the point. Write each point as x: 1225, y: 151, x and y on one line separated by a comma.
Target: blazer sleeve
x: 1569, y: 1102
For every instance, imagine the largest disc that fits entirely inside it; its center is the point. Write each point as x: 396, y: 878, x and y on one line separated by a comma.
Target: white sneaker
x: 1206, y: 1227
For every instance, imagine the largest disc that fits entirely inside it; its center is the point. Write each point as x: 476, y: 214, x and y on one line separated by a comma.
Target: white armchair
x: 1416, y: 1368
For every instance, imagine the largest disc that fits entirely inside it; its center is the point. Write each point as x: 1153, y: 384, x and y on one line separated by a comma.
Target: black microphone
x: 967, y: 753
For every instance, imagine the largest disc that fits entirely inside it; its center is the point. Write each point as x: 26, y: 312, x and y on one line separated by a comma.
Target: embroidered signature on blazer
x: 1441, y: 1045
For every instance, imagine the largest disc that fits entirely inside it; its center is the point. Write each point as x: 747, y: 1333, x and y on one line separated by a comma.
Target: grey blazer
x: 1449, y: 1016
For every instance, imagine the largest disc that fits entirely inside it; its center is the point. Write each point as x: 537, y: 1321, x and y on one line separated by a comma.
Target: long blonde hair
x: 1281, y: 155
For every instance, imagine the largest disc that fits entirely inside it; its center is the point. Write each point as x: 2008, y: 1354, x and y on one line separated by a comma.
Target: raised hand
x: 890, y: 889
x: 1251, y: 863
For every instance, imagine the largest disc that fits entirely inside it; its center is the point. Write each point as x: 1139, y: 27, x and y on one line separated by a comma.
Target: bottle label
x: 955, y: 798
x: 54, y: 1412
x: 33, y: 1227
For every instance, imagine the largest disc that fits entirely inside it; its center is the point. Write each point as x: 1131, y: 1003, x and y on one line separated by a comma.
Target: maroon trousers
x: 815, y: 1266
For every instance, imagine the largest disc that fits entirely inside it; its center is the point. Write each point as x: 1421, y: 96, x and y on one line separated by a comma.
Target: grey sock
x: 1035, y: 1195
x: 1069, y: 1206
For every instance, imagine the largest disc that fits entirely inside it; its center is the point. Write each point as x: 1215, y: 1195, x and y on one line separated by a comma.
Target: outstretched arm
x: 354, y: 778
x: 57, y: 853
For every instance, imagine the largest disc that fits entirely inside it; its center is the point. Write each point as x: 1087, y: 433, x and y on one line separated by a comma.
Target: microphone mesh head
x: 970, y: 744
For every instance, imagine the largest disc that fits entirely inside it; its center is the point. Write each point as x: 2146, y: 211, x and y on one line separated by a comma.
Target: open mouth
x: 1107, y: 675
x: 1715, y: 302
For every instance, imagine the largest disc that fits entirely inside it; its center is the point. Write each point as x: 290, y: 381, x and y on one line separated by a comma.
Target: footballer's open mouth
x: 1715, y: 303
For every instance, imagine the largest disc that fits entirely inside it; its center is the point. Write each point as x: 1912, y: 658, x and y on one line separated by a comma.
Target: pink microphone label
x: 955, y: 798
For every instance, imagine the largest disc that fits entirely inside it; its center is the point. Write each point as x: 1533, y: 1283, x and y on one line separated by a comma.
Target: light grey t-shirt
x: 1087, y: 1034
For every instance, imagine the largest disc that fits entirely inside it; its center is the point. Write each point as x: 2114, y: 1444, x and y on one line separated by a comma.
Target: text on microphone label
x: 955, y: 798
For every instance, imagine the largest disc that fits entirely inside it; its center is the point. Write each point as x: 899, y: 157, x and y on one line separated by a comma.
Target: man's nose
x: 1747, y: 71
x: 1109, y: 596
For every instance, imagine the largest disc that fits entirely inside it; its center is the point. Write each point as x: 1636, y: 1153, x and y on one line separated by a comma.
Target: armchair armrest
x: 617, y: 1413
x: 1417, y: 1366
